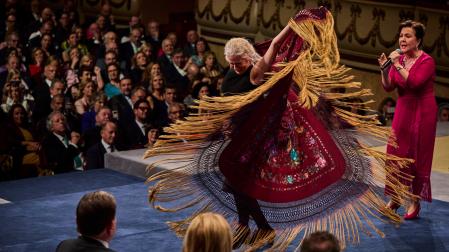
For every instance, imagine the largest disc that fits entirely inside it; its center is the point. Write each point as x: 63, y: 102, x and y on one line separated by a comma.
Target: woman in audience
x: 153, y: 135
x: 47, y: 45
x: 152, y: 69
x: 147, y: 50
x: 201, y: 48
x: 139, y: 63
x: 38, y: 58
x: 200, y: 90
x: 157, y: 89
x: 211, y: 69
x: 14, y: 93
x: 24, y: 148
x: 208, y: 232
x: 112, y: 88
x: 88, y: 91
x: 88, y: 118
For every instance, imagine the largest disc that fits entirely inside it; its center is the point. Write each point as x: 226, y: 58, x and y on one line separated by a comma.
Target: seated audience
x: 96, y: 223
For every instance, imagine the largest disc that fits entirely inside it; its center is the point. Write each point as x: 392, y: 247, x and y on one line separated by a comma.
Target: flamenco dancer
x: 279, y: 146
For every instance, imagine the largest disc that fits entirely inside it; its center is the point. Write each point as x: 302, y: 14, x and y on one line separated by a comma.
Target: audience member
x: 59, y: 152
x: 93, y: 135
x: 320, y: 241
x: 95, y: 154
x: 96, y: 223
x: 154, y: 37
x: 386, y: 111
x: 88, y: 118
x: 121, y: 104
x: 135, y: 132
x: 24, y: 148
x: 443, y: 112
x: 88, y: 92
x: 190, y: 48
x: 208, y: 232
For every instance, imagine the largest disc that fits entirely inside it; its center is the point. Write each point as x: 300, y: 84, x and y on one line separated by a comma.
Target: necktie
x: 66, y: 142
x: 111, y: 148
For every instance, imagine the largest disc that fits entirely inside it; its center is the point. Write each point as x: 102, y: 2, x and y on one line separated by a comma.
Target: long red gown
x: 414, y: 122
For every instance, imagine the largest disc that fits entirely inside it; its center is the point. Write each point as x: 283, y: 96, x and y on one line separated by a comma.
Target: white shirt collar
x: 180, y: 71
x: 48, y: 82
x: 106, y: 146
x: 141, y: 126
x: 61, y: 138
x: 105, y: 243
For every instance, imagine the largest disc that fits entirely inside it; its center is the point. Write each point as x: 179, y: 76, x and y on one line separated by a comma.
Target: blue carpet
x: 42, y: 213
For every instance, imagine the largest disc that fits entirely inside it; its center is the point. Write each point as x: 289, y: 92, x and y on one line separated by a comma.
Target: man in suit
x: 128, y: 49
x: 93, y: 135
x: 59, y: 153
x: 135, y: 132
x: 172, y: 68
x: 95, y: 154
x: 41, y: 92
x: 189, y: 47
x: 121, y: 104
x: 96, y: 223
x: 154, y: 37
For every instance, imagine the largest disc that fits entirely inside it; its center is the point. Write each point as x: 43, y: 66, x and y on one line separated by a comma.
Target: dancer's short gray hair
x: 241, y: 47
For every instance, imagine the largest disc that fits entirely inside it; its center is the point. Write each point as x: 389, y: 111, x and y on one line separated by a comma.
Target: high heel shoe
x: 414, y: 214
x: 393, y: 206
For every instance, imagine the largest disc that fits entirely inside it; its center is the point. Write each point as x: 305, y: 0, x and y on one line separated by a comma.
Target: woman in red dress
x: 412, y: 73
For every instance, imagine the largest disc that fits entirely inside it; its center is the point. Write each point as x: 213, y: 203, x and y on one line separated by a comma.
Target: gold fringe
x: 317, y: 73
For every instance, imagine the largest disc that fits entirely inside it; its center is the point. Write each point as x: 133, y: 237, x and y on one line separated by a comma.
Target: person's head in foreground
x: 95, y: 216
x: 320, y: 241
x: 208, y: 232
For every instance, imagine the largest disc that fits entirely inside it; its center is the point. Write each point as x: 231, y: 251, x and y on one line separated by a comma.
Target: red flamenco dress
x: 290, y: 144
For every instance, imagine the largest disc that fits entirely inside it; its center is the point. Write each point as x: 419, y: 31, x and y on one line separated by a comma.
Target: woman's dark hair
x: 11, y: 113
x: 206, y: 45
x: 198, y: 87
x: 418, y: 27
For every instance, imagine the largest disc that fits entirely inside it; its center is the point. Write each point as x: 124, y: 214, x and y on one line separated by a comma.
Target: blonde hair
x: 241, y: 47
x: 208, y: 232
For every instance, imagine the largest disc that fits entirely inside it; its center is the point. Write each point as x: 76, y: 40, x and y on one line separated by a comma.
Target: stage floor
x: 37, y: 213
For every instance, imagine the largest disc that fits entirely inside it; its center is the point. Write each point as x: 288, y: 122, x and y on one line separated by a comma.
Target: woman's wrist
x: 398, y: 67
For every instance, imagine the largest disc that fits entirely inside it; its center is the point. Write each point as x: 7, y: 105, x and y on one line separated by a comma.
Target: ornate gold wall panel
x: 364, y: 29
x: 122, y: 9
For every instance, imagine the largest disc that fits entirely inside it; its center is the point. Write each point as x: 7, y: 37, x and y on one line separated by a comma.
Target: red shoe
x: 414, y: 214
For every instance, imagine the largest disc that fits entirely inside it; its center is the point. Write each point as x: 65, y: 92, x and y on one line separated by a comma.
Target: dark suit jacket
x: 57, y: 157
x: 95, y: 156
x: 127, y: 52
x: 125, y: 112
x: 133, y: 137
x: 82, y: 244
x: 91, y: 137
x: 42, y: 98
x: 173, y: 77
